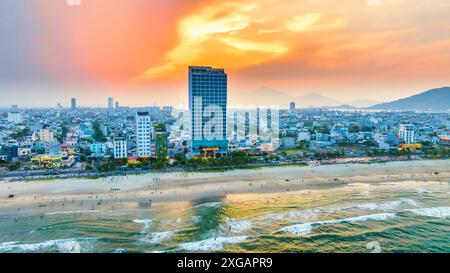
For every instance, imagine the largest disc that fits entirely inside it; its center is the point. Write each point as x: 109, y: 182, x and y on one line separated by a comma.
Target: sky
x: 138, y: 51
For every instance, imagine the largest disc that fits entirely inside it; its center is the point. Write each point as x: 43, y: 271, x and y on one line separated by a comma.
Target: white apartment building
x: 15, y: 117
x: 144, y: 133
x: 120, y: 148
x: 45, y: 135
x: 406, y: 133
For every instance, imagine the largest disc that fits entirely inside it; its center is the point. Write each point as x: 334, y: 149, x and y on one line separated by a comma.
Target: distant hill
x: 318, y: 100
x: 315, y: 100
x: 270, y: 96
x: 434, y: 99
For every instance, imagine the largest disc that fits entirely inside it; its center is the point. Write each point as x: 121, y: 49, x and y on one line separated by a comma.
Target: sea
x: 373, y: 220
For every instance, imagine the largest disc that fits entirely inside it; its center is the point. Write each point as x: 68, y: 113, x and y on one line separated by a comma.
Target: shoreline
x: 135, y: 192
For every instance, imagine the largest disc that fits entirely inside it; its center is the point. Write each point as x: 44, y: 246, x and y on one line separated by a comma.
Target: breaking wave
x: 305, y: 228
x: 439, y: 212
x: 72, y: 245
x: 236, y: 226
x: 72, y: 212
x: 213, y: 244
x: 208, y: 205
x: 157, y: 237
x: 145, y: 222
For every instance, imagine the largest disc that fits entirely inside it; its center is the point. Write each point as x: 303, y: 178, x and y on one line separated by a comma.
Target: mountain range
x: 272, y: 96
x: 434, y: 99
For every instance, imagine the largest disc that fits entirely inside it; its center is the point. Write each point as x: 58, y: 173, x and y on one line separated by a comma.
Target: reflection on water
x: 407, y: 220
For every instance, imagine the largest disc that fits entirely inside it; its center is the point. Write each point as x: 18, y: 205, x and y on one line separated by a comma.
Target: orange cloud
x: 292, y: 45
x: 237, y: 34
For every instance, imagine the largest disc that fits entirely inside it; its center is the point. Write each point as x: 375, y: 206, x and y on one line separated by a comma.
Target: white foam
x: 384, y: 206
x: 300, y: 229
x: 305, y: 228
x: 145, y: 222
x: 72, y: 212
x: 196, y: 219
x: 157, y: 237
x: 208, y: 205
x: 388, y: 205
x: 8, y: 243
x: 236, y: 225
x: 72, y: 245
x: 305, y: 215
x: 213, y: 244
x: 439, y: 212
x: 294, y: 216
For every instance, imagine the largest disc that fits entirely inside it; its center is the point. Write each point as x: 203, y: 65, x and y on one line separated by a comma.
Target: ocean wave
x: 157, y: 237
x: 294, y: 216
x: 72, y: 245
x: 236, y: 225
x: 196, y: 219
x: 72, y: 212
x: 145, y: 222
x: 311, y: 215
x: 208, y: 205
x: 213, y: 244
x: 383, y: 206
x: 305, y: 228
x: 438, y: 212
x: 388, y: 205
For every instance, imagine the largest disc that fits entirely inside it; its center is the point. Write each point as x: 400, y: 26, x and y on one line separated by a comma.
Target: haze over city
x: 138, y: 51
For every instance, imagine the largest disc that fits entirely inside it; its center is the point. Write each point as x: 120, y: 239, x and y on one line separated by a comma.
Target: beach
x: 396, y: 206
x: 154, y: 189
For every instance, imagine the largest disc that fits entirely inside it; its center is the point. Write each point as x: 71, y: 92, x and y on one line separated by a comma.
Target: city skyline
x: 351, y: 50
x: 224, y: 126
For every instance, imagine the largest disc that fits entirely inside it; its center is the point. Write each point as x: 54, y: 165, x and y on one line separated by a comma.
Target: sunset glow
x: 139, y: 50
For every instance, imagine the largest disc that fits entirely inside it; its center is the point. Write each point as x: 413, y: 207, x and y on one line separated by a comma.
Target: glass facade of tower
x: 208, y: 102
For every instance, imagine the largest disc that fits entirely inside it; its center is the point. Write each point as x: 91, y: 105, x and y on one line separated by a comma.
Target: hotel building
x: 144, y: 132
x: 208, y: 110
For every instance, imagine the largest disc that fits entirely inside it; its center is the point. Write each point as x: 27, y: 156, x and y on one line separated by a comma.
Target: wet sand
x: 157, y: 189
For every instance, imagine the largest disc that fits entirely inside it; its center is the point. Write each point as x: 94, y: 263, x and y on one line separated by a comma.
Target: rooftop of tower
x: 206, y: 69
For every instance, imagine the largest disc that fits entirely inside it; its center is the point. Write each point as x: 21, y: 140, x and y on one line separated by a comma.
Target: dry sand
x: 131, y: 192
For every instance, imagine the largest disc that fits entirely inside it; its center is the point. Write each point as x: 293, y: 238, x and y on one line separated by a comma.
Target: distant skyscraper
x: 144, y: 130
x: 14, y: 107
x: 117, y: 105
x: 73, y: 104
x: 292, y: 106
x: 406, y: 133
x: 208, y: 109
x: 110, y: 103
